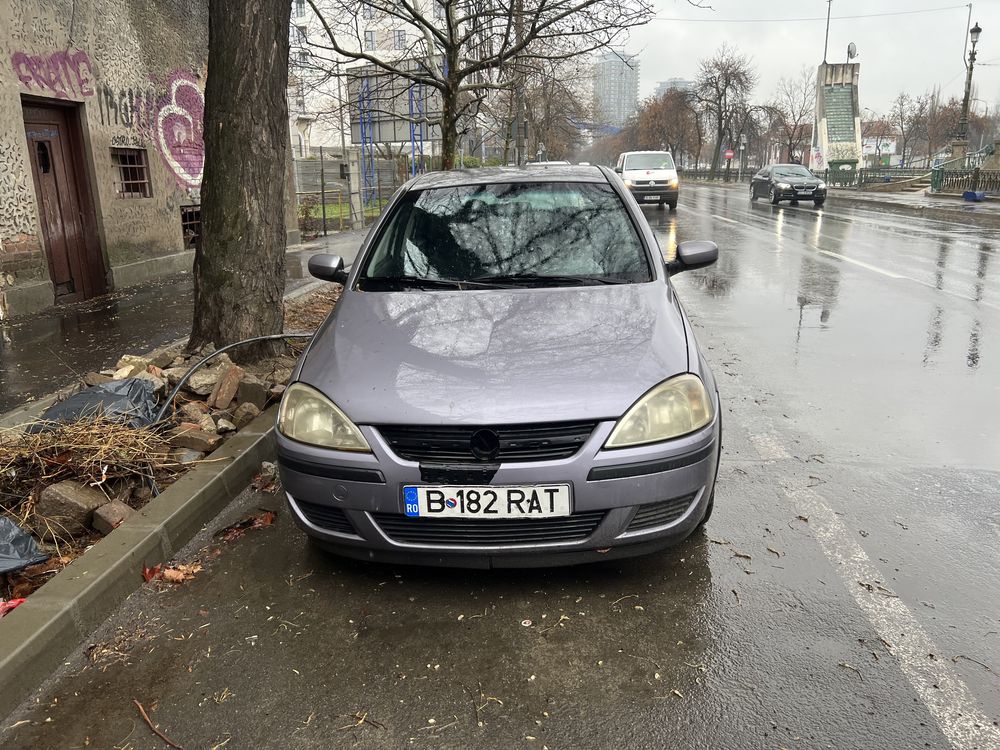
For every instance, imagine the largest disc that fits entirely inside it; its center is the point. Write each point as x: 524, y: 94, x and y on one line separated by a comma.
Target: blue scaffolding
x: 416, y: 129
x: 369, y: 182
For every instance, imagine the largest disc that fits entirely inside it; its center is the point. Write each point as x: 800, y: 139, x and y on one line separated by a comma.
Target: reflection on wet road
x: 844, y: 595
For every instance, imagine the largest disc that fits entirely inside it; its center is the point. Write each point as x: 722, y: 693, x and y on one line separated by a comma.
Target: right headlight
x: 306, y: 415
x: 628, y: 183
x: 673, y: 408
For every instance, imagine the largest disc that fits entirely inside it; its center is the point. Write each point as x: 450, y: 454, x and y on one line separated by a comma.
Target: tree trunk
x: 239, y: 267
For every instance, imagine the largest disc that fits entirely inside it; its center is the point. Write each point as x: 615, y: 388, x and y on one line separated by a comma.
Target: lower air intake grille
x: 326, y: 517
x: 473, y: 532
x: 661, y: 513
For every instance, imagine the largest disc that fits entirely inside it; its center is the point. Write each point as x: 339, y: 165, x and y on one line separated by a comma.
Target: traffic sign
x: 729, y: 153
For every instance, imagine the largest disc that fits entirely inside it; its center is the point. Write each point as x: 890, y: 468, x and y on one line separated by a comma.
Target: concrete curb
x: 38, y: 635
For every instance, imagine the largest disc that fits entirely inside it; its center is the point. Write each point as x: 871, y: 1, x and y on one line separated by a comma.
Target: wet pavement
x: 41, y: 353
x: 843, y: 595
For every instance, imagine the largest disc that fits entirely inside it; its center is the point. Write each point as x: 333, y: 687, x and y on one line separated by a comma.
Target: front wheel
x: 753, y: 195
x: 673, y: 205
x: 819, y: 202
x: 660, y: 205
x: 708, y: 511
x: 773, y: 197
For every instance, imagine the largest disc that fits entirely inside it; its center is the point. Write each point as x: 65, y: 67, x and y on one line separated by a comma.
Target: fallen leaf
x: 180, y: 573
x: 148, y: 574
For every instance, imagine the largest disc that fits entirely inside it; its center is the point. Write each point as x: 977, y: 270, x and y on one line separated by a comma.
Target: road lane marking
x: 723, y: 218
x: 942, y: 691
x: 861, y: 263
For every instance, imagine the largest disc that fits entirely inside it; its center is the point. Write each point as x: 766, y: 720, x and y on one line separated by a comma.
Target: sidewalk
x: 46, y: 351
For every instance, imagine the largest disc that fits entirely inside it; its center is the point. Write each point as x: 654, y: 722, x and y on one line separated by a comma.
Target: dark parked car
x: 787, y: 182
x: 508, y: 379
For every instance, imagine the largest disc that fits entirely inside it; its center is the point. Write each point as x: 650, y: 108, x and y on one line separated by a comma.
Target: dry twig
x: 157, y: 732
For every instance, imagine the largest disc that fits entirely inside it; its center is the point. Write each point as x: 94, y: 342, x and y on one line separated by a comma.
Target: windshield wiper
x: 532, y: 279
x: 419, y: 282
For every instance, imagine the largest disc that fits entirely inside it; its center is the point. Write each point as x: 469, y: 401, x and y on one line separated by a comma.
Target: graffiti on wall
x: 169, y: 114
x: 61, y: 74
x: 179, y: 130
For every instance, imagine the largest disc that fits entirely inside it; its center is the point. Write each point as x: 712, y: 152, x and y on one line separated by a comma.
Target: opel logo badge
x: 485, y: 444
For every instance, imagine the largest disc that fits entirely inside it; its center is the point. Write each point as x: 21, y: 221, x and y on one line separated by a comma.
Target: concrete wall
x: 137, y: 68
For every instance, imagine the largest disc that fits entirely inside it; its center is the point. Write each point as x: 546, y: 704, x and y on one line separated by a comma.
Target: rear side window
x: 490, y: 232
x: 649, y: 161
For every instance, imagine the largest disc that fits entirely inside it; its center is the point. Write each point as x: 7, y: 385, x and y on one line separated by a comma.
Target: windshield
x: 656, y: 160
x: 792, y: 170
x: 532, y: 233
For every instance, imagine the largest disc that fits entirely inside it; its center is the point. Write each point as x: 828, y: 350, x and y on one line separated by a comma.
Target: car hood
x: 496, y: 356
x: 799, y: 180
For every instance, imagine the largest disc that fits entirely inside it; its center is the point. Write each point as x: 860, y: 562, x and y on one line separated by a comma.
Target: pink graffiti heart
x: 179, y: 131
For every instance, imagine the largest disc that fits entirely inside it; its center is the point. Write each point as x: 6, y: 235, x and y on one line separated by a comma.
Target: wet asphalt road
x: 843, y: 596
x: 42, y: 353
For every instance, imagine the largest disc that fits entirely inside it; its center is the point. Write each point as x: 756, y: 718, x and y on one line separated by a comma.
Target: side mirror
x: 328, y: 267
x: 693, y: 254
x: 618, y: 170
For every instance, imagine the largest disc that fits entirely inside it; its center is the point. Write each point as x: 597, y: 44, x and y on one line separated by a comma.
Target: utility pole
x: 519, y: 86
x: 826, y: 39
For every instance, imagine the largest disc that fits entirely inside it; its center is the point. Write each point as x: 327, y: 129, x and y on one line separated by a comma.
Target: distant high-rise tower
x: 672, y: 84
x: 616, y: 87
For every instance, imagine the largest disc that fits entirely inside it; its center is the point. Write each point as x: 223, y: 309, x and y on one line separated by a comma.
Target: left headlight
x: 673, y: 408
x: 821, y: 186
x: 673, y: 183
x: 306, y: 415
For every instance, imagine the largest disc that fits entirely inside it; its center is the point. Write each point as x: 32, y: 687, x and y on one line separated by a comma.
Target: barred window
x: 370, y: 41
x: 438, y: 10
x: 399, y: 39
x: 132, y: 173
x: 191, y: 225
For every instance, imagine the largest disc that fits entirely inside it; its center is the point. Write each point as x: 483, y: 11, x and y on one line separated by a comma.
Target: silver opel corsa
x: 507, y: 380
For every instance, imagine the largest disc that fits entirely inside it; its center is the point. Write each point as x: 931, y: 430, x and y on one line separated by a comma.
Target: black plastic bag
x: 132, y: 401
x: 17, y: 548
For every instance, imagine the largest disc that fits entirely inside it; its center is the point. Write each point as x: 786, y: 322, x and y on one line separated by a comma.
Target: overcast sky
x: 912, y: 52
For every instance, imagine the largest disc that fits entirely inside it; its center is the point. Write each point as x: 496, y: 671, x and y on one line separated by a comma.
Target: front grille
x: 661, y: 513
x: 326, y: 517
x: 810, y: 188
x: 473, y: 532
x: 526, y: 442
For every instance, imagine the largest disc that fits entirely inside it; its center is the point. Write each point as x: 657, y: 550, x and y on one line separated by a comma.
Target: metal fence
x: 882, y: 175
x: 328, y: 207
x: 960, y: 180
x: 719, y: 175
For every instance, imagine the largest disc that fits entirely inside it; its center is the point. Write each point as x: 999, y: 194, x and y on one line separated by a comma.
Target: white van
x: 650, y: 176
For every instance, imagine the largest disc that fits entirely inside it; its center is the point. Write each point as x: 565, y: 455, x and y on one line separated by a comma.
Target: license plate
x: 805, y: 192
x: 487, y: 502
x: 650, y: 198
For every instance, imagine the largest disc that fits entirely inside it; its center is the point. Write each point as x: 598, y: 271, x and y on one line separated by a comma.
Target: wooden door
x: 64, y: 209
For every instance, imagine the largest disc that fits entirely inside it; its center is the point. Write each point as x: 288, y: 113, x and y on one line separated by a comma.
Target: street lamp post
x: 963, y: 123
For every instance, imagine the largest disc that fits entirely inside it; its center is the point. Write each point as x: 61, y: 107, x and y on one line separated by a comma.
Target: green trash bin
x: 843, y: 172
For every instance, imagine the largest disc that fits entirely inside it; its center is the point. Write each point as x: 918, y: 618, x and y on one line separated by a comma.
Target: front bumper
x: 654, y: 192
x: 798, y: 195
x: 625, y: 502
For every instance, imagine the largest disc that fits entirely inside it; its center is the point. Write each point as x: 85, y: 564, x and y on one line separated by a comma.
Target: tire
x: 819, y: 203
x: 753, y: 195
x: 660, y: 205
x: 673, y: 205
x: 772, y: 196
x: 795, y: 203
x: 708, y: 511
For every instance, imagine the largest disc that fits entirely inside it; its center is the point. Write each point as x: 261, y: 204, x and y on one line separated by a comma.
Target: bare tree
x: 473, y: 47
x: 877, y: 129
x: 723, y: 87
x: 239, y: 266
x: 909, y: 117
x: 668, y: 122
x: 793, y: 105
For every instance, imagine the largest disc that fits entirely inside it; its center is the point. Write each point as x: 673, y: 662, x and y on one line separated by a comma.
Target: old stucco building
x: 101, y: 150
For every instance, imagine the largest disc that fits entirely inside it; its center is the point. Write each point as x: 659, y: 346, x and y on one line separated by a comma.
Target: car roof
x: 788, y: 165
x: 626, y: 153
x: 497, y: 175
